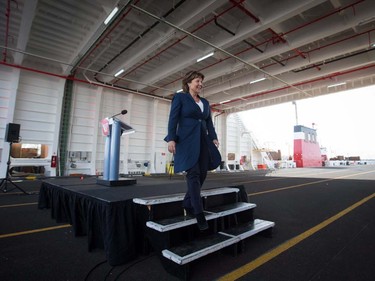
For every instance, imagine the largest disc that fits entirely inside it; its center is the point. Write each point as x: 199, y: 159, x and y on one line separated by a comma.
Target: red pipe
x: 104, y: 37
x: 70, y: 77
x: 212, y: 106
x: 324, y: 46
x: 178, y: 41
x: 247, y: 12
x: 323, y: 17
x: 274, y: 34
x: 83, y: 81
x: 245, y: 50
x: 269, y: 40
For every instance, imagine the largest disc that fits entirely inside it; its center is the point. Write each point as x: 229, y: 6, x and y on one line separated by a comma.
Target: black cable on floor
x: 92, y: 269
x: 131, y: 265
x: 109, y: 273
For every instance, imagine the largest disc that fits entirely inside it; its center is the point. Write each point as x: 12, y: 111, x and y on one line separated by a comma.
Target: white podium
x: 113, y: 129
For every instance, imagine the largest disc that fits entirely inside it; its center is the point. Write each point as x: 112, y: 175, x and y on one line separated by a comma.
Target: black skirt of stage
x: 106, y: 215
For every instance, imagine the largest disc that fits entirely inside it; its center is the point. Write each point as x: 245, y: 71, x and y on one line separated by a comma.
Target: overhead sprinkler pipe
x: 368, y: 32
x: 247, y: 12
x: 110, y: 28
x: 71, y: 77
x: 179, y: 40
x: 93, y: 71
x: 256, y: 46
x: 218, y: 48
x: 144, y: 33
x: 325, y: 77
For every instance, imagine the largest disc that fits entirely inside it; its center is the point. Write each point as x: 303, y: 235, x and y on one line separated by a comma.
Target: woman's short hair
x: 189, y: 77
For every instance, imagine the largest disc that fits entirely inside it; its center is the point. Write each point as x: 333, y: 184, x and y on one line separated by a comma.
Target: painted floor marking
x: 304, y: 184
x: 18, y: 205
x: 249, y: 267
x: 33, y: 231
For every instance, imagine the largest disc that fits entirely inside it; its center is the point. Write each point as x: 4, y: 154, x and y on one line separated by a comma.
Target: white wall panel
x: 162, y: 115
x: 33, y: 101
x: 6, y: 88
x: 83, y: 120
x: 39, y: 105
x: 38, y: 108
x: 140, y: 143
x: 113, y: 102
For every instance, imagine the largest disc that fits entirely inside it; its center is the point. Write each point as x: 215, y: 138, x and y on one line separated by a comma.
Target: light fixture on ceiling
x: 119, y: 72
x: 206, y: 56
x: 224, y: 101
x: 258, y: 80
x: 366, y: 21
x: 179, y: 91
x: 111, y: 15
x: 335, y: 85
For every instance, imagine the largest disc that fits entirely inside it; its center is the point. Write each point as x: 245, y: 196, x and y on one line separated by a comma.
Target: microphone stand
x: 123, y: 112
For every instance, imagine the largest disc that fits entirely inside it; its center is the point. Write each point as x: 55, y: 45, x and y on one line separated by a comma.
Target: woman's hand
x: 172, y: 147
x: 216, y: 142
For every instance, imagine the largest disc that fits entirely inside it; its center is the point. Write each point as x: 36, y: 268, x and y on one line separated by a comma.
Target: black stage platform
x: 107, y: 215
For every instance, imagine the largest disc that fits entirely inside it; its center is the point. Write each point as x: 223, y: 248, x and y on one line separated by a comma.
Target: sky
x: 345, y: 123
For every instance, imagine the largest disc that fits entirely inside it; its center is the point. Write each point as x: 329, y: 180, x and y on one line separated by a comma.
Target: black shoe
x: 189, y: 212
x: 201, y: 222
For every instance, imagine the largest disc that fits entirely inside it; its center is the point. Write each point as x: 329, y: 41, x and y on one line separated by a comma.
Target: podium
x: 113, y: 129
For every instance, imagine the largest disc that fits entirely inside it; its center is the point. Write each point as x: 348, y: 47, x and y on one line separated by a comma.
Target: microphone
x: 123, y: 112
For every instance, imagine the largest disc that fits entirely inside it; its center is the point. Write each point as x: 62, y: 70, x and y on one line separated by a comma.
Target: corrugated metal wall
x: 38, y: 108
x: 34, y: 102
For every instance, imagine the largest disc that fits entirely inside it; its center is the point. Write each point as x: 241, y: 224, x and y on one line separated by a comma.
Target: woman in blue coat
x: 193, y: 141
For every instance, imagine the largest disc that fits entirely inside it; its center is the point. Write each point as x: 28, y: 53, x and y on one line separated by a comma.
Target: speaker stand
x: 7, y: 180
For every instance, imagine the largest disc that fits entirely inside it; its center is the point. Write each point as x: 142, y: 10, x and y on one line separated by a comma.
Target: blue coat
x: 186, y: 124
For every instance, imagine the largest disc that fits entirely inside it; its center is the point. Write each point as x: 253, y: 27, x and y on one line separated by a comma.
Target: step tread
x: 164, y: 225
x: 228, y: 209
x: 198, y: 248
x: 193, y: 250
x: 246, y: 230
x: 160, y: 199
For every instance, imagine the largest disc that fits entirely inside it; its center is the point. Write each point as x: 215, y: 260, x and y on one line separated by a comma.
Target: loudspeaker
x: 12, y: 132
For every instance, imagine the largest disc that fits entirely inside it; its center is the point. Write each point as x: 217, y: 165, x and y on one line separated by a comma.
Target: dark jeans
x: 195, y: 178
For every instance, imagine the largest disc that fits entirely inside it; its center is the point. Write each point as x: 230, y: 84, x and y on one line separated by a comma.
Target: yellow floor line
x: 34, y: 231
x: 18, y: 205
x: 247, y: 268
x: 304, y: 184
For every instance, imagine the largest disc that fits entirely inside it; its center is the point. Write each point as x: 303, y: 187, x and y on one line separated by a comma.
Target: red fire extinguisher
x: 53, y: 161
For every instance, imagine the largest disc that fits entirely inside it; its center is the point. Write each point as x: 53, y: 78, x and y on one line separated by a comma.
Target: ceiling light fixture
x: 258, y: 80
x: 335, y: 85
x: 111, y: 15
x: 224, y: 101
x: 206, y: 56
x: 119, y: 72
x: 180, y: 90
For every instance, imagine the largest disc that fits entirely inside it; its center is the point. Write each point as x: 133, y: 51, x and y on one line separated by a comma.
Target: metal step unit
x: 214, y: 213
x: 173, y: 235
x: 162, y: 199
x: 191, y: 251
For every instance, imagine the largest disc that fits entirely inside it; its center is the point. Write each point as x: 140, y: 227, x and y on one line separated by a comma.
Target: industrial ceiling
x: 263, y: 52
